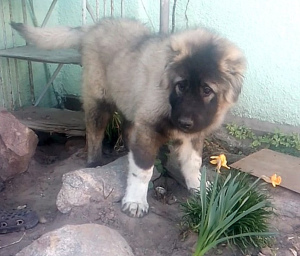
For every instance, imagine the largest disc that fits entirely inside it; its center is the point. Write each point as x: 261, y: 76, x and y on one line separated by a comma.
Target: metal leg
x: 49, y: 13
x: 49, y: 83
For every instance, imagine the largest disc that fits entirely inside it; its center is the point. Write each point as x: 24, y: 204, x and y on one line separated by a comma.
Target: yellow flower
x: 220, y: 161
x: 275, y: 180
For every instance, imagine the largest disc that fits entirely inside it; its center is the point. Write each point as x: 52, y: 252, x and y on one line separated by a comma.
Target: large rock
x: 17, y: 145
x: 101, y: 184
x: 79, y: 240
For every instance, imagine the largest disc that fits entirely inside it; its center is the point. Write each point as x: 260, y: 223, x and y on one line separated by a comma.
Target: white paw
x: 134, y: 203
x: 193, y: 184
x: 135, y: 209
x: 193, y: 190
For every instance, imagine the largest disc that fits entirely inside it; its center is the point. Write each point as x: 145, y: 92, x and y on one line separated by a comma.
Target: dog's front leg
x: 144, y: 144
x: 135, y: 202
x: 190, y: 159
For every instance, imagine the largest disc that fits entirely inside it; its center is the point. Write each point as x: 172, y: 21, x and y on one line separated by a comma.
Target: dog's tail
x: 51, y: 38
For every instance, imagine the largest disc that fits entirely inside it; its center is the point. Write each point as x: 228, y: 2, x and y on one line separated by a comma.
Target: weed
x: 269, y: 140
x: 113, y: 131
x: 240, y: 132
x: 160, y: 168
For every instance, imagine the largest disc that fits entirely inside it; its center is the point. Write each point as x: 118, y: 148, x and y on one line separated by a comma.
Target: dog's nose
x: 185, y: 123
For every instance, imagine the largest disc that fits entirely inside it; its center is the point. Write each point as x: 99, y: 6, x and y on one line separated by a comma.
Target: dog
x: 167, y: 87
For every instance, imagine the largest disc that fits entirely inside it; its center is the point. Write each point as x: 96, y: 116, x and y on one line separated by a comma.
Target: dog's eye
x: 207, y: 90
x: 181, y: 86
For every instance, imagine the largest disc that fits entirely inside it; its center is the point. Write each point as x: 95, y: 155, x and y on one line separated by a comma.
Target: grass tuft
x: 113, y: 131
x: 234, y: 209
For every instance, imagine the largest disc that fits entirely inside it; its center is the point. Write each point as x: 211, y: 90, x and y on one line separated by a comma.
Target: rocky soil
x: 92, y: 196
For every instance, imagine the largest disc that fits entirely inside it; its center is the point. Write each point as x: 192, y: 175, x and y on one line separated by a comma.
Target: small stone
x: 266, y: 251
x: 102, y: 184
x: 161, y: 190
x: 219, y: 252
x: 78, y: 240
x: 43, y: 220
x: 20, y: 207
x: 172, y: 200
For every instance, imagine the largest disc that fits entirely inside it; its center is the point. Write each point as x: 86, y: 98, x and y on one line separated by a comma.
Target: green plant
x: 113, y: 130
x: 240, y: 132
x: 270, y: 140
x: 159, y: 166
x: 230, y: 209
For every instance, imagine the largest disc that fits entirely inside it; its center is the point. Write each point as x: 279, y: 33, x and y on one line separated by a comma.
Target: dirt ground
x: 157, y: 234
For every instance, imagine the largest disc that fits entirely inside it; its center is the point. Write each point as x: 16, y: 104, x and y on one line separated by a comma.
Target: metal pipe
x: 112, y: 8
x: 49, y: 83
x: 97, y: 10
x: 30, y: 72
x: 122, y: 8
x: 83, y: 12
x: 90, y: 10
x: 49, y: 13
x: 164, y: 17
x: 31, y: 84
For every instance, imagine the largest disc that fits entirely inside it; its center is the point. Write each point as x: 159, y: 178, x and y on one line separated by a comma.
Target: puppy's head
x: 205, y: 77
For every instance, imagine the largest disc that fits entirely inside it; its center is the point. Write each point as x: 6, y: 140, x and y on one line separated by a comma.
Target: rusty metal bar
x: 83, y: 11
x: 31, y: 84
x: 18, y: 82
x: 46, y: 68
x: 30, y: 71
x: 49, y: 13
x: 185, y: 14
x: 104, y: 8
x: 1, y: 70
x: 173, y: 16
x: 148, y: 16
x: 33, y: 16
x: 15, y: 60
x: 10, y: 84
x: 49, y: 83
x: 12, y: 93
x: 97, y: 10
x: 122, y: 7
x: 164, y: 17
x: 1, y: 86
x: 111, y: 8
x: 90, y: 10
x: 24, y: 11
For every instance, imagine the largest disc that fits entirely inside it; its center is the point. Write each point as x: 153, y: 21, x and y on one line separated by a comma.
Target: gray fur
x: 128, y: 68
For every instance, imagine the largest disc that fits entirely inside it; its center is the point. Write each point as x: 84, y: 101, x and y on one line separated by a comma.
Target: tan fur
x: 124, y: 70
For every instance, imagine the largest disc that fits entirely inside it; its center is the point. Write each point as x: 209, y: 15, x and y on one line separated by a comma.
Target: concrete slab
x: 267, y: 162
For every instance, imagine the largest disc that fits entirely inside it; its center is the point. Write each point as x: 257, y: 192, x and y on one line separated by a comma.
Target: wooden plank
x: 52, y: 120
x: 267, y: 162
x: 29, y: 52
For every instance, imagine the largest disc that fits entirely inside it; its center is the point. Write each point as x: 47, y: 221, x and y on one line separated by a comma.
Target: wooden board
x: 66, y: 56
x: 267, y: 162
x: 52, y: 120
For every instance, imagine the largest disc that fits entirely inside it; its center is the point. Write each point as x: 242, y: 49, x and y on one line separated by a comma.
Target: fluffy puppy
x: 175, y: 87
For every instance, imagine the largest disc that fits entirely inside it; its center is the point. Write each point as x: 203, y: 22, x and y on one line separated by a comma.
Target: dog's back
x: 110, y: 36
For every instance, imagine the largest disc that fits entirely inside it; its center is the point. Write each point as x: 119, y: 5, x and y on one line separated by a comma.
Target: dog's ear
x: 183, y: 43
x: 233, y: 66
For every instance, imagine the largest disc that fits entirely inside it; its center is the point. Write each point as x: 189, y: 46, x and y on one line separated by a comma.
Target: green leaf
x: 231, y: 209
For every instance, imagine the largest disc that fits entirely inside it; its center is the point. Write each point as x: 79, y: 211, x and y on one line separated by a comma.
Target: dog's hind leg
x: 97, y: 107
x: 144, y: 145
x: 127, y: 128
x: 97, y: 115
